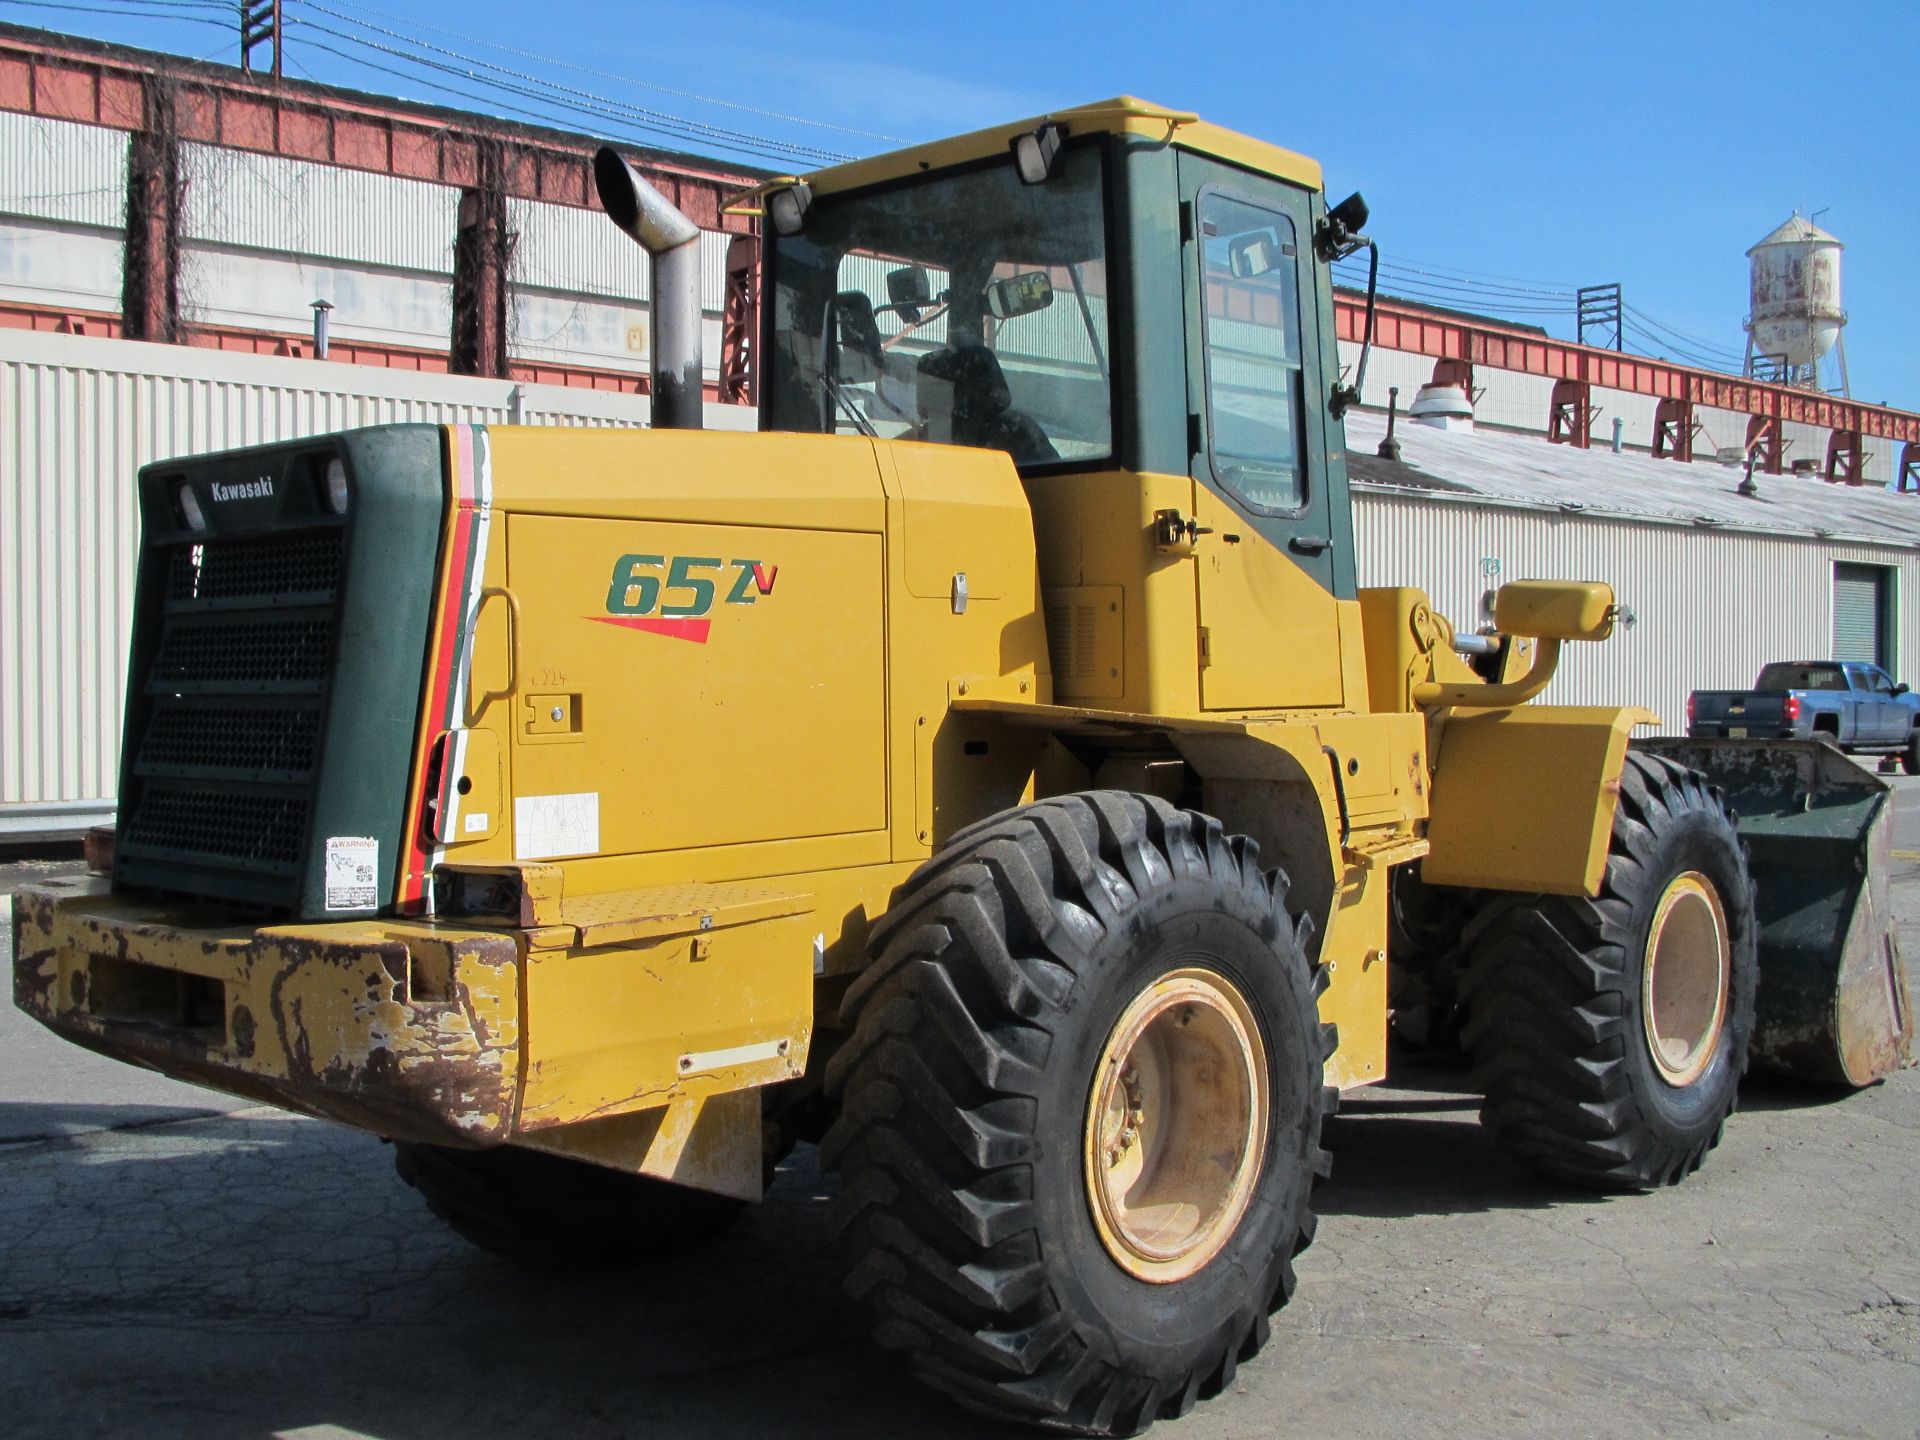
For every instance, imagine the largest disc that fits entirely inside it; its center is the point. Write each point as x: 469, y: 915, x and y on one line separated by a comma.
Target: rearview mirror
x: 858, y: 330
x: 1019, y: 295
x: 1259, y: 253
x: 1555, y: 609
x: 908, y: 290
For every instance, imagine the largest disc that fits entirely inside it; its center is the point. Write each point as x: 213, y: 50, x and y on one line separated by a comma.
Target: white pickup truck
x: 1849, y: 703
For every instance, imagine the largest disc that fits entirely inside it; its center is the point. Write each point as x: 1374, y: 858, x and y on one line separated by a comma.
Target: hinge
x: 1196, y: 443
x: 1186, y: 221
x: 1206, y: 647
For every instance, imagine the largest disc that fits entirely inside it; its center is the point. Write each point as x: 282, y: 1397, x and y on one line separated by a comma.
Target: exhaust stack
x: 674, y: 243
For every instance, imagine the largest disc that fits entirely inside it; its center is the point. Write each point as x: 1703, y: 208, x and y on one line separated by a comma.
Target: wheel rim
x: 1686, y: 978
x: 1176, y: 1124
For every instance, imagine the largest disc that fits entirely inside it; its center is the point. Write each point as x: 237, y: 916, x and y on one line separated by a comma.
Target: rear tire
x: 1081, y: 1113
x: 1609, y: 1035
x: 552, y: 1212
x: 1910, y: 757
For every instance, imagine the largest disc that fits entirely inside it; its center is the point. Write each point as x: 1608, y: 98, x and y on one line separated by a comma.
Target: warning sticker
x: 548, y: 825
x: 353, y: 862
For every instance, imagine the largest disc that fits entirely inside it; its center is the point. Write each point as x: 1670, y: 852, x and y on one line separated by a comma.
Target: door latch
x: 1173, y: 531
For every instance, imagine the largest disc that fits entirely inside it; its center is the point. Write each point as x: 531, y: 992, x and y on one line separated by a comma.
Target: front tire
x: 1081, y: 1113
x: 1609, y: 1035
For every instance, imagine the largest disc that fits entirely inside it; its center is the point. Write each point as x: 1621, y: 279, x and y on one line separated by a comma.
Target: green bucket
x: 1834, y: 1004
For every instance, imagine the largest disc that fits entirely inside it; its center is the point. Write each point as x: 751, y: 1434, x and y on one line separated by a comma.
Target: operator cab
x: 1136, y: 308
x: 1117, y: 287
x: 963, y: 307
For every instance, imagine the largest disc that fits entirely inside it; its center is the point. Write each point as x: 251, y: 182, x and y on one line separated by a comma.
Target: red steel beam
x: 66, y: 79
x: 1478, y: 342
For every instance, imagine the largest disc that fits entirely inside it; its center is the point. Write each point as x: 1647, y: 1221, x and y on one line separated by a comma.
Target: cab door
x: 1875, y: 691
x: 1267, y: 543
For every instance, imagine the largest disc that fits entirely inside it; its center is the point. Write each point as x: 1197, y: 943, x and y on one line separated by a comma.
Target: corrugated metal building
x: 83, y: 415
x: 1719, y: 582
x: 292, y: 195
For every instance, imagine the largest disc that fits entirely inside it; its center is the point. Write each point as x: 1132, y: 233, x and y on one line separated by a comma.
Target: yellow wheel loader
x: 990, y: 772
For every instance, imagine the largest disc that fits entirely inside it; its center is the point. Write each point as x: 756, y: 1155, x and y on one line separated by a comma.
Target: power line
x: 140, y: 11
x: 557, y: 111
x: 1412, y: 278
x: 1443, y: 277
x: 1680, y: 335
x: 568, y: 99
x: 604, y: 74
x: 560, y: 103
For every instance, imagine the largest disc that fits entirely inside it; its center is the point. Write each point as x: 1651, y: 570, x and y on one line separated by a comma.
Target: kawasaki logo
x: 260, y: 489
x: 678, y: 602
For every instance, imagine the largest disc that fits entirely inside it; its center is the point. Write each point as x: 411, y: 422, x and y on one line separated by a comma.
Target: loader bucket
x: 1833, y: 1003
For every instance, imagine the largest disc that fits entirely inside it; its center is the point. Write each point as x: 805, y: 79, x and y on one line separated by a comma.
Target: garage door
x: 1859, y: 603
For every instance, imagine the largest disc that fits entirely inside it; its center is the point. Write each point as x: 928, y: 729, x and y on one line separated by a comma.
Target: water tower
x: 1795, y: 318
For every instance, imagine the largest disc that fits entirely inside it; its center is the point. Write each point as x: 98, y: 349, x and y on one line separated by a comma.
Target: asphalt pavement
x: 177, y: 1264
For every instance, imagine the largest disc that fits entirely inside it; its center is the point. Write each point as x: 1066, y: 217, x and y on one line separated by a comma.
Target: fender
x: 1523, y: 799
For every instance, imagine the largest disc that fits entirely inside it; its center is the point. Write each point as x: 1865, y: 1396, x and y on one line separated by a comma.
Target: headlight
x: 188, y: 506
x: 337, y: 495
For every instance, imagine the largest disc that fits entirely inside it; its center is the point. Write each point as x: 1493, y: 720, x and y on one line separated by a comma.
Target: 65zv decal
x: 674, y: 595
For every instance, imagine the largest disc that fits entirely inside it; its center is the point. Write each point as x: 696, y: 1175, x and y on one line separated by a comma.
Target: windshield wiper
x: 830, y: 377
x: 1086, y: 318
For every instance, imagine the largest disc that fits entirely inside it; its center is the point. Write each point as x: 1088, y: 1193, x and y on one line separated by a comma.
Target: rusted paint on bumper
x: 410, y: 1030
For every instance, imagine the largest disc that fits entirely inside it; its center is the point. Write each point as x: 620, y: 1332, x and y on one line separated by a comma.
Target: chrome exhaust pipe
x: 673, y: 242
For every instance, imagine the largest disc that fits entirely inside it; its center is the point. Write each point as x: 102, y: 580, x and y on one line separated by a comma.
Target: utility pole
x: 1599, y: 310
x: 259, y: 23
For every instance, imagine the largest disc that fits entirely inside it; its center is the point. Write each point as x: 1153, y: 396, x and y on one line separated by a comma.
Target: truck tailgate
x: 1738, y: 713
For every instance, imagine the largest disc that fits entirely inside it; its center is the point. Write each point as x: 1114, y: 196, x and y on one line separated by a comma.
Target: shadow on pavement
x: 1427, y: 1157
x: 1418, y: 1148
x: 1763, y: 1093
x: 241, y: 1278
x: 25, y: 1121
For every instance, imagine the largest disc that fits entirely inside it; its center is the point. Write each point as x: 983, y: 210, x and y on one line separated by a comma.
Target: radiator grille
x: 231, y: 742
x: 256, y: 831
x: 225, y: 752
x: 288, y: 567
x: 243, y: 651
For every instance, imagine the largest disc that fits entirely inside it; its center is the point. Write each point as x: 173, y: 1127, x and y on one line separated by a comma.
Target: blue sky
x: 1539, y: 145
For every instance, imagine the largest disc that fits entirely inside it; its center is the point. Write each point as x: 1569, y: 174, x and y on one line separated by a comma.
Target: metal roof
x: 1124, y: 114
x: 1796, y: 229
x: 1504, y: 468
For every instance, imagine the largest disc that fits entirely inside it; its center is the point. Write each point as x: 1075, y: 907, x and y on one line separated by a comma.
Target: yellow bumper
x: 408, y: 1030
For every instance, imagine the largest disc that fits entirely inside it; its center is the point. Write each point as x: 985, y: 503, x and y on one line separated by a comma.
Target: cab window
x: 1255, y: 399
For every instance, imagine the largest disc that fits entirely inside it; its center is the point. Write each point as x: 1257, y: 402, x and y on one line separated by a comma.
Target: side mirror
x: 1900, y: 689
x: 858, y: 329
x: 908, y: 292
x: 1019, y: 295
x: 1256, y: 254
x: 1339, y: 234
x: 1556, y: 609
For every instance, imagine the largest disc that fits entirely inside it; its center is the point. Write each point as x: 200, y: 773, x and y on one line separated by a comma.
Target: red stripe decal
x: 694, y: 630
x: 456, y: 583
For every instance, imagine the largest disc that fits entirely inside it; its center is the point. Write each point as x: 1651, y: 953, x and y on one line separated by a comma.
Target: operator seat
x: 962, y: 387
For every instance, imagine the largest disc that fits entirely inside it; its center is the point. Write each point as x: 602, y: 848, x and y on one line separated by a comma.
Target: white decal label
x: 545, y: 826
x: 476, y: 823
x: 353, y: 862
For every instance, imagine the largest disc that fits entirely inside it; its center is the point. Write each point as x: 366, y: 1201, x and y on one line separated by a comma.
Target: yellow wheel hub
x: 1176, y: 1125
x: 1686, y: 977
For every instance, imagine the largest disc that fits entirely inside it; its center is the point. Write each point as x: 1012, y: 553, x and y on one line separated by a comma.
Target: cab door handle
x: 1310, y: 544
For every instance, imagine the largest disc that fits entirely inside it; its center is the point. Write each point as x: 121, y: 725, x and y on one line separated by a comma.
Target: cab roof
x: 1122, y: 115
